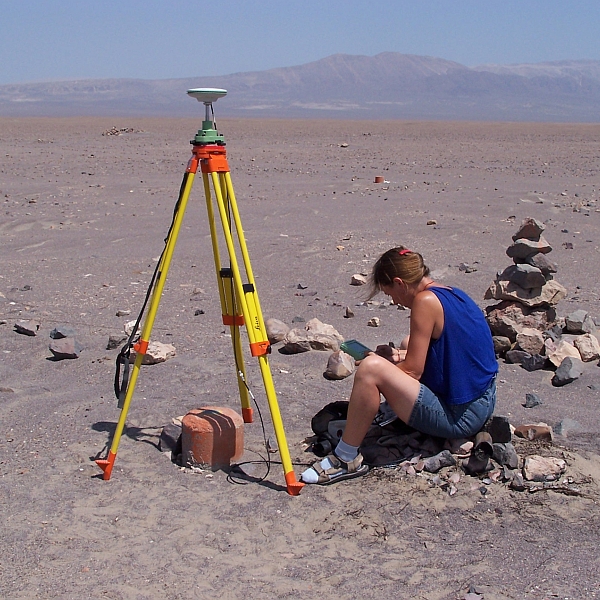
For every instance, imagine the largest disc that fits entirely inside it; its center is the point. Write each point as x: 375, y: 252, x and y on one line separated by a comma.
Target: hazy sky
x: 76, y: 39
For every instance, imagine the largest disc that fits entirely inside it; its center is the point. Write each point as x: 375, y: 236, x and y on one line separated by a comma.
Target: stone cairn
x: 524, y: 324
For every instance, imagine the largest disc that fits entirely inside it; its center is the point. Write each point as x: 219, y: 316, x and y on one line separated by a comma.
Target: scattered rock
x: 506, y: 455
x: 434, y: 463
x: 123, y: 313
x: 156, y: 353
x: 588, y: 346
x: 534, y: 362
x: 116, y: 341
x: 62, y: 331
x: 543, y: 468
x: 339, y: 366
x: 509, y: 318
x: 530, y: 340
x: 27, y: 327
x: 579, y: 321
x: 276, y: 330
x: 65, y: 348
x: 348, y: 313
x: 516, y: 357
x: 532, y: 400
x: 314, y: 326
x: 170, y: 439
x: 499, y: 428
x: 501, y: 344
x: 541, y: 431
x: 374, y: 322
x: 296, y: 341
x: 358, y: 279
x: 570, y: 369
x: 558, y: 352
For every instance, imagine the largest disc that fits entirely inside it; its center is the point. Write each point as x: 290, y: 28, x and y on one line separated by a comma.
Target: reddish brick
x: 212, y: 435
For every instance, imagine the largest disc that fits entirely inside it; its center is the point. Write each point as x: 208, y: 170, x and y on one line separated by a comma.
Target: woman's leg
x: 376, y: 375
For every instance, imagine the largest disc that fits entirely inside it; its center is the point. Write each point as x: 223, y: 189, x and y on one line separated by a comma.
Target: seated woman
x: 443, y: 384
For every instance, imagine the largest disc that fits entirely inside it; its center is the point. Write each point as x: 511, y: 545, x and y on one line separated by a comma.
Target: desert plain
x: 84, y: 218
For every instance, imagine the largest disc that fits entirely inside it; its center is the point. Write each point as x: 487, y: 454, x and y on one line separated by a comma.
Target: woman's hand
x: 394, y: 355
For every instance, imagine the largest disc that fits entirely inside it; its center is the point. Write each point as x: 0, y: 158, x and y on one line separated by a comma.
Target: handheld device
x: 355, y: 349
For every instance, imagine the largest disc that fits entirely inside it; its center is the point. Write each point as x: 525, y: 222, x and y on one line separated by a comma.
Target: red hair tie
x: 403, y: 252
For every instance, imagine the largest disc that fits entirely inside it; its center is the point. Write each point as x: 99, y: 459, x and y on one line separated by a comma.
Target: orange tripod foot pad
x: 293, y: 486
x: 106, y: 464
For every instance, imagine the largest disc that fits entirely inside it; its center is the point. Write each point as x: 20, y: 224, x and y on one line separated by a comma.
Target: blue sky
x: 43, y: 40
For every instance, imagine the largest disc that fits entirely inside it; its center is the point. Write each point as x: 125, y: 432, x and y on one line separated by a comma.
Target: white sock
x: 346, y: 452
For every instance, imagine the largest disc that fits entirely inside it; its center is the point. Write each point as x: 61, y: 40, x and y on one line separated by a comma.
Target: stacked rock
x: 526, y: 289
x: 524, y: 324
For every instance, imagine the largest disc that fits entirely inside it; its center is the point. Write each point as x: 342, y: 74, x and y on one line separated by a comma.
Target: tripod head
x: 208, y: 134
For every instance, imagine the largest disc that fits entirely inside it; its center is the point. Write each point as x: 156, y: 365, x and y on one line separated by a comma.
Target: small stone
x: 348, y: 313
x: 524, y: 275
x: 170, y: 439
x: 506, y: 455
x: 532, y: 400
x: 516, y: 357
x: 339, y: 366
x: 517, y: 483
x: 588, y: 346
x: 502, y: 344
x: 543, y: 468
x: 562, y: 350
x: 156, y: 353
x: 65, y: 348
x: 522, y: 248
x: 296, y: 341
x: 276, y: 330
x: 62, y: 331
x: 530, y: 340
x: 123, y: 313
x: 374, y: 322
x: 543, y: 263
x: 434, y: 463
x: 358, y: 279
x: 530, y: 229
x: 569, y: 370
x: 541, y: 431
x: 499, y: 428
x: 114, y: 341
x: 579, y: 321
x: 27, y: 327
x: 535, y: 362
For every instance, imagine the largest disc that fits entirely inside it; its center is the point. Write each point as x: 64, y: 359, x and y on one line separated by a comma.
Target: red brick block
x: 212, y: 435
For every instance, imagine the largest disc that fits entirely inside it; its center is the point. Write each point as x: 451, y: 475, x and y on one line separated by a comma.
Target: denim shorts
x: 453, y: 421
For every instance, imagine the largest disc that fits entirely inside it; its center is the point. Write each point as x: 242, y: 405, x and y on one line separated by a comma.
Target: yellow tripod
x: 239, y: 301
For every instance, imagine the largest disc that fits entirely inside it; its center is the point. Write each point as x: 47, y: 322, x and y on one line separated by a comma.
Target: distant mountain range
x: 386, y: 86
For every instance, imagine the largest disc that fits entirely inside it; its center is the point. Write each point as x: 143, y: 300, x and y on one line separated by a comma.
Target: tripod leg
x: 142, y: 345
x: 248, y: 299
x: 229, y: 307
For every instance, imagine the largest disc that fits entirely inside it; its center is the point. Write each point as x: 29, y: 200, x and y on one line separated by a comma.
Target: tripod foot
x: 247, y: 415
x: 106, y: 464
x: 293, y: 486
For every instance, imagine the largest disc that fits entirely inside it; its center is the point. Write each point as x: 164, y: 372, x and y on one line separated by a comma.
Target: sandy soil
x: 84, y: 217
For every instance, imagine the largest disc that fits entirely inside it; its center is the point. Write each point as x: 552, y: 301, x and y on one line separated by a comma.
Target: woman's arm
x: 426, y: 322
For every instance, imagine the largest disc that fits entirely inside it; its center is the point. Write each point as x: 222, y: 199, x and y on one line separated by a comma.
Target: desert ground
x: 84, y: 218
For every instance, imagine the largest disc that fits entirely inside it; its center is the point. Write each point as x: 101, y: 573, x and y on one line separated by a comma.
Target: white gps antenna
x: 208, y: 133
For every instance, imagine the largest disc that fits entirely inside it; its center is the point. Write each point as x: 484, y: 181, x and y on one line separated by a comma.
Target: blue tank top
x: 461, y: 363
